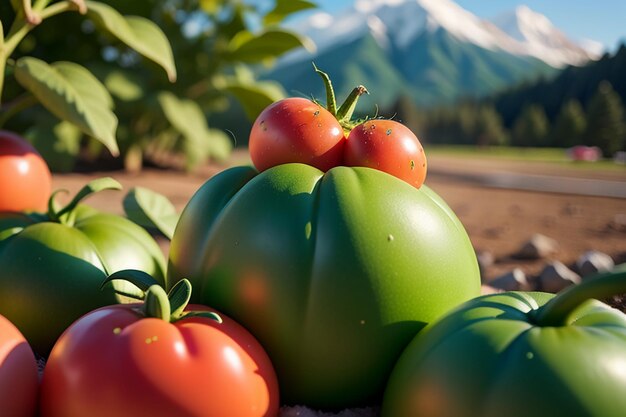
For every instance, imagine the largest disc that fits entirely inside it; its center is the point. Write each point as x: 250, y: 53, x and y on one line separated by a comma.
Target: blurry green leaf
x: 124, y: 86
x: 210, y: 6
x: 72, y: 93
x: 187, y: 117
x: 17, y: 5
x: 221, y: 144
x: 59, y: 144
x: 254, y: 97
x: 137, y: 32
x: 284, y: 8
x: 249, y: 47
x: 150, y: 209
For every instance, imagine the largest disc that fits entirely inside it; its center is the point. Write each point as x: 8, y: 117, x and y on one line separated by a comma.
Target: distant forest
x: 578, y: 106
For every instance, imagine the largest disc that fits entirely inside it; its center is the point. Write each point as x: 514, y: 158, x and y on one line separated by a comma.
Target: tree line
x: 581, y: 106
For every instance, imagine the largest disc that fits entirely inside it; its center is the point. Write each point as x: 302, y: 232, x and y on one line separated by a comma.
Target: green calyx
x: 65, y: 214
x: 157, y: 303
x: 601, y: 286
x: 344, y: 113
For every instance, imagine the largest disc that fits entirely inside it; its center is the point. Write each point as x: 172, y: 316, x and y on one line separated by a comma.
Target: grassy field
x: 555, y: 156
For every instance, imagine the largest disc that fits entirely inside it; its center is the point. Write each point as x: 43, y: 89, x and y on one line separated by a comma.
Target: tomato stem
x: 344, y: 114
x: 156, y: 304
x: 556, y: 311
x: 331, y: 101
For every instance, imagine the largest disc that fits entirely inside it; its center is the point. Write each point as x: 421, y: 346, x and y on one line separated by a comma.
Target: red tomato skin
x: 19, y: 381
x: 296, y: 130
x: 388, y: 146
x: 25, y: 180
x: 112, y: 363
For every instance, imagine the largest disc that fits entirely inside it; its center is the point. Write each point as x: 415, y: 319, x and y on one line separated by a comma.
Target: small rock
x: 594, y: 261
x: 513, y: 281
x: 556, y: 276
x: 538, y: 247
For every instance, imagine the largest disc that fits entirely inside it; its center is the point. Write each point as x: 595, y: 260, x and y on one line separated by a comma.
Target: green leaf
x: 130, y: 283
x: 254, y: 97
x: 249, y: 47
x: 210, y: 6
x: 139, y: 33
x: 151, y: 210
x: 187, y: 117
x: 125, y: 86
x: 93, y: 186
x: 57, y: 142
x: 221, y: 144
x: 179, y: 297
x: 72, y: 93
x: 284, y: 8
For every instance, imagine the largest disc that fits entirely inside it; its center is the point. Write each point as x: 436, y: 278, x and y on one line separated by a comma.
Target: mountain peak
x: 540, y: 38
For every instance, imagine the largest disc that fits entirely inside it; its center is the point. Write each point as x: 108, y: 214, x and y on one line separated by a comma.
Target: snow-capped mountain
x: 434, y: 49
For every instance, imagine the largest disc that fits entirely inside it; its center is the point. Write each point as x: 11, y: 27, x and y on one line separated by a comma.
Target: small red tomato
x: 388, y: 146
x: 19, y: 381
x: 25, y: 180
x: 296, y: 130
x: 115, y: 362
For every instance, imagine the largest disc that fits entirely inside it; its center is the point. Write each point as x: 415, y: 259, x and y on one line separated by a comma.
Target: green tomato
x: 52, y: 266
x: 334, y: 273
x: 518, y: 354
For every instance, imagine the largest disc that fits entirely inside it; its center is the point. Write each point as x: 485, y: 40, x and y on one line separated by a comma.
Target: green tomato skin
x: 334, y: 273
x: 488, y: 359
x: 51, y: 273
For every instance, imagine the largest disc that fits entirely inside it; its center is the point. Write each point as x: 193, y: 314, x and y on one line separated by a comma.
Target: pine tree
x: 570, y: 125
x: 606, y: 127
x: 489, y: 126
x: 531, y: 127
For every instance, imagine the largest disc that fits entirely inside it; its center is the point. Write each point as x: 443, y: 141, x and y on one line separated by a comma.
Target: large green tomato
x: 52, y: 266
x: 518, y: 355
x: 333, y: 273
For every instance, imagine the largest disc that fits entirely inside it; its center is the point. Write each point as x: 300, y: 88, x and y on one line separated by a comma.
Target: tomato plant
x: 388, y: 146
x: 518, y: 354
x: 296, y: 130
x: 159, y: 359
x: 333, y: 272
x: 19, y: 382
x: 25, y: 179
x: 52, y: 264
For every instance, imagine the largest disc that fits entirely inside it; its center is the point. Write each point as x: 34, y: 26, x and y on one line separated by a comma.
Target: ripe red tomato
x: 296, y: 130
x: 25, y: 180
x: 19, y: 381
x: 114, y: 362
x: 388, y: 146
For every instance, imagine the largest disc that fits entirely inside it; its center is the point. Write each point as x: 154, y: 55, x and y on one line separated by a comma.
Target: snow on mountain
x: 521, y: 32
x: 540, y: 38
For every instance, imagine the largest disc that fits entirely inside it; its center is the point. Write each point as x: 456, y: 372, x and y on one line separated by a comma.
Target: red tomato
x: 388, y: 146
x: 25, y: 180
x: 113, y: 362
x: 19, y: 381
x: 296, y: 130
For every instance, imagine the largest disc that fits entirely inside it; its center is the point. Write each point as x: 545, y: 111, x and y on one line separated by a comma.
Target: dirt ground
x: 497, y: 220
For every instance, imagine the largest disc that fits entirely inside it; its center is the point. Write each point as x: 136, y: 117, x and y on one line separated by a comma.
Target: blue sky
x: 601, y: 20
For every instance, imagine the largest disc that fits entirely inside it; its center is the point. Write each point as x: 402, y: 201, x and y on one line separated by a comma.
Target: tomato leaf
x: 179, y: 297
x: 254, y: 96
x: 58, y: 142
x: 187, y: 118
x: 284, y: 8
x: 94, y: 186
x: 246, y: 46
x: 126, y: 86
x: 130, y: 283
x: 72, y: 93
x: 139, y: 33
x: 150, y: 209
